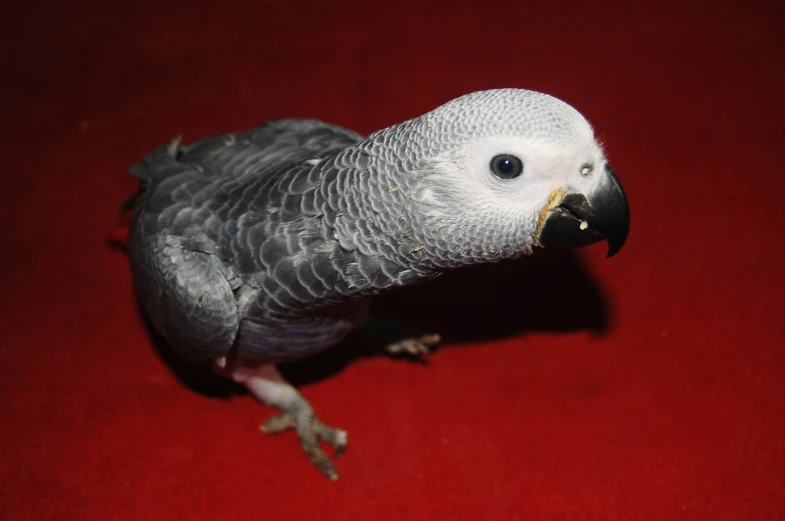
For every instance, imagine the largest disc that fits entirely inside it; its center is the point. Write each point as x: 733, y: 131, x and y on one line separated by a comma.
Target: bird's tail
x: 118, y: 236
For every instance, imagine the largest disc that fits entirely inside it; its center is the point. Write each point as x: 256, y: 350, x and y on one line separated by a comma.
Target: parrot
x: 260, y: 247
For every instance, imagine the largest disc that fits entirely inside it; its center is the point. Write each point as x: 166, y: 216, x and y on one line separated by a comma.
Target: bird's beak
x: 580, y: 220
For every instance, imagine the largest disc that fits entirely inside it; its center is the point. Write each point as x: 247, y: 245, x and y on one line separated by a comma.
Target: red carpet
x: 650, y: 386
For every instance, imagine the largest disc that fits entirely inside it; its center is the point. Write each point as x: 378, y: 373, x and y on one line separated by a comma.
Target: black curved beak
x: 581, y: 221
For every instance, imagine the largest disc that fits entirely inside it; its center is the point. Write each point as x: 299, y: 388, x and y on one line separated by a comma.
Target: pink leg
x: 267, y: 385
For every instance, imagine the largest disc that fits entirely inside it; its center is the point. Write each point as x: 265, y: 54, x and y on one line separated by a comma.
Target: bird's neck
x: 388, y: 234
x: 376, y: 246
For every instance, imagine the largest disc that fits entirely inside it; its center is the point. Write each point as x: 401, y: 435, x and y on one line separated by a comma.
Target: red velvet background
x: 650, y: 386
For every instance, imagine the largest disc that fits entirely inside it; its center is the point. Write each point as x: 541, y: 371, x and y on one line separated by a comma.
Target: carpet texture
x: 650, y: 386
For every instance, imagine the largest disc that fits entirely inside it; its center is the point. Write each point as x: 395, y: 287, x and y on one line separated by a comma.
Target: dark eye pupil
x: 506, y: 166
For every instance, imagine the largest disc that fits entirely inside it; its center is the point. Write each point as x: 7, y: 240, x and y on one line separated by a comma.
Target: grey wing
x: 187, y: 292
x: 205, y: 212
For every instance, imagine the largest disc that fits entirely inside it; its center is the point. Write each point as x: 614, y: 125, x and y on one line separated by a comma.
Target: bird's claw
x: 415, y: 347
x: 309, y: 431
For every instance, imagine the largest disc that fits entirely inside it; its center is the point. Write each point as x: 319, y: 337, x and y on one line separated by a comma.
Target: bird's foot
x: 310, y: 430
x: 267, y: 384
x: 415, y: 347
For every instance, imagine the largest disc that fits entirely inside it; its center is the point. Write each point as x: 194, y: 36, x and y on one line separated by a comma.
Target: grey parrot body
x: 266, y: 246
x: 246, y: 222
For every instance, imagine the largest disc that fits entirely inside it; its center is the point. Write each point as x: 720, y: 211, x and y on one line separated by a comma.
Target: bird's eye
x: 505, y: 166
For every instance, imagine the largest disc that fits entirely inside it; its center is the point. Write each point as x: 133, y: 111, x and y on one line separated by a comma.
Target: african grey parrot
x: 265, y: 246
